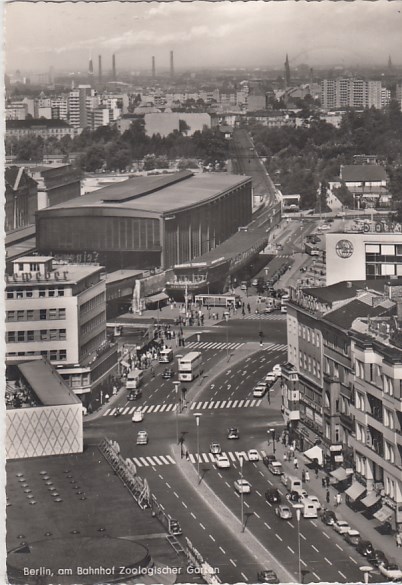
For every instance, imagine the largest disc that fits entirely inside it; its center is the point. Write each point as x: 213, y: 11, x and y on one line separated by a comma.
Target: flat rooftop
x: 157, y: 194
x: 241, y: 241
x: 74, y: 272
x: 46, y: 384
x: 122, y: 274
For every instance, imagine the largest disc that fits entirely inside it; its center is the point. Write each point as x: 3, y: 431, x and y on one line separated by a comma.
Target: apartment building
x: 353, y: 93
x: 59, y: 312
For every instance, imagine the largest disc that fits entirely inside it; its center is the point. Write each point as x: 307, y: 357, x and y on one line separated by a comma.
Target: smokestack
x: 171, y: 64
x: 153, y: 67
x: 100, y: 68
x: 91, y: 67
x: 114, y: 67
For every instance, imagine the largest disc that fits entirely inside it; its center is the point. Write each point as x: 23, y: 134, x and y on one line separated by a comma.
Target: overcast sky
x: 224, y: 34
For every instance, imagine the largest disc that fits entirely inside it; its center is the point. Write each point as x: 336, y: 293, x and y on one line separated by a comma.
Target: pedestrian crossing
x: 266, y: 316
x: 199, y: 405
x: 213, y: 345
x: 159, y: 460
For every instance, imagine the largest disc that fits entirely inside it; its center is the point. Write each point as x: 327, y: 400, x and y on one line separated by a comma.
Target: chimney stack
x: 171, y: 64
x: 114, y: 67
x: 100, y: 68
x: 153, y: 67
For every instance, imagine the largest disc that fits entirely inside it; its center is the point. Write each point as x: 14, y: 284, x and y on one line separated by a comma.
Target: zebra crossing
x: 199, y: 405
x: 213, y: 345
x: 266, y: 316
x: 159, y: 460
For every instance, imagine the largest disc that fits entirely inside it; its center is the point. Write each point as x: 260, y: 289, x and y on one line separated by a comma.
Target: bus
x: 311, y: 249
x: 190, y: 366
x: 218, y: 300
x: 166, y: 356
x: 134, y: 379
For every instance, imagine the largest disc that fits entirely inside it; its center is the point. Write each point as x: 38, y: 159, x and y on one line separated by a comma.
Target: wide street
x: 207, y: 506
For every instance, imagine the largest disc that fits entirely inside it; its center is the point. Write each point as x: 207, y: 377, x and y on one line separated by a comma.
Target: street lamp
x: 198, y: 415
x: 298, y: 508
x: 241, y: 493
x: 176, y: 387
x: 227, y: 335
x: 366, y: 570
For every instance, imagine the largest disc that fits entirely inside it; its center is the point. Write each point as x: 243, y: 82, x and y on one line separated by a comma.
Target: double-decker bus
x: 218, y: 300
x: 190, y: 366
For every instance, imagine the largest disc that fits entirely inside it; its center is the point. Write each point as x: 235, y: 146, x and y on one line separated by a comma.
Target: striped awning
x: 383, y: 514
x: 370, y: 499
x: 339, y: 474
x: 355, y: 491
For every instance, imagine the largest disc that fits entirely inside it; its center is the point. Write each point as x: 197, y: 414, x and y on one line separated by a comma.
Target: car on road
x: 270, y: 309
x: 391, y: 571
x: 142, y: 438
x: 277, y: 369
x: 242, y: 486
x: 222, y: 461
x: 267, y: 576
x: 273, y: 496
x: 174, y: 527
x: 324, y: 227
x: 267, y: 459
x: 270, y: 378
x: 328, y: 517
x: 138, y: 416
x: 215, y: 448
x: 275, y: 467
x: 253, y: 455
x: 352, y: 537
x: 167, y: 373
x: 135, y: 394
x: 233, y: 433
x: 341, y: 526
x: 283, y: 512
x: 313, y: 499
x: 243, y: 286
x: 365, y: 548
x: 259, y: 390
x: 376, y: 558
x: 254, y: 282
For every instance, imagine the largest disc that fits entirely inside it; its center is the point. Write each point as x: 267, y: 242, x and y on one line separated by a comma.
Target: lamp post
x: 176, y: 387
x: 271, y: 433
x: 227, y: 336
x: 197, y: 418
x: 298, y: 508
x: 241, y: 494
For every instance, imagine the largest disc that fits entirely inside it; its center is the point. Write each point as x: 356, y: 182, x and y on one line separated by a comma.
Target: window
x: 42, y: 314
x: 30, y: 335
x: 34, y: 267
x: 60, y: 292
x: 20, y: 266
x: 63, y: 354
x: 19, y: 293
x: 53, y: 354
x: 44, y: 335
x: 62, y: 313
x: 11, y: 336
x: 308, y: 334
x: 30, y: 315
x: 52, y: 313
x: 10, y: 294
x: 28, y: 294
x: 20, y: 335
x: 10, y: 315
x: 62, y: 334
x: 51, y: 292
x: 42, y: 293
x: 53, y: 334
x: 20, y: 315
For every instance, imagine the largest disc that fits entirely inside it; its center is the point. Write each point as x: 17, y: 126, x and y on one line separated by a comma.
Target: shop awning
x: 355, y: 490
x: 383, y: 514
x: 314, y: 453
x: 370, y: 499
x: 157, y: 297
x: 339, y: 474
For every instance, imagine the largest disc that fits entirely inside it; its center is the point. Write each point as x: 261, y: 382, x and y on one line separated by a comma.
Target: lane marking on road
x: 256, y: 514
x: 318, y: 578
x: 291, y: 550
x: 184, y: 504
x: 169, y: 486
x: 160, y: 476
x: 202, y: 526
x: 227, y: 484
x: 315, y: 548
x: 303, y: 563
x: 303, y: 537
x: 233, y: 563
x: 341, y: 574
x: 212, y: 538
x: 244, y: 576
x: 328, y: 561
x: 144, y: 461
x: 313, y: 523
x: 193, y: 515
x: 269, y: 503
x: 176, y: 494
x: 325, y: 534
x: 278, y: 537
x: 258, y: 493
x: 270, y: 482
x: 220, y: 475
x: 267, y: 525
x: 340, y: 548
x: 355, y: 562
x: 220, y: 548
x: 292, y: 525
x: 246, y: 504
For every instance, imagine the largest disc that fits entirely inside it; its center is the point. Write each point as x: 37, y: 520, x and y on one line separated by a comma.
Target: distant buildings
x: 353, y: 93
x: 165, y: 123
x: 44, y: 128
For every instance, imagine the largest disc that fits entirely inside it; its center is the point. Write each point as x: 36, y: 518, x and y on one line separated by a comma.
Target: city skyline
x: 320, y: 34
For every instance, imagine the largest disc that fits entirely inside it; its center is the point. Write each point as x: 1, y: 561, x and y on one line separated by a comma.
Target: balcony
x: 347, y: 420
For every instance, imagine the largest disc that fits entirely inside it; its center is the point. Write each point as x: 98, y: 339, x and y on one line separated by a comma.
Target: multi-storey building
x: 353, y: 93
x: 376, y: 407
x: 78, y: 105
x: 59, y: 312
x: 21, y: 198
x: 44, y: 128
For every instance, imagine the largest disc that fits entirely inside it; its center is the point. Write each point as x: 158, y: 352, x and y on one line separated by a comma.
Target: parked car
x: 142, y: 438
x: 273, y: 496
x: 254, y: 282
x: 275, y: 467
x: 167, y: 373
x: 253, y: 455
x: 138, y: 416
x: 313, y: 499
x: 222, y: 461
x: 215, y: 448
x: 135, y: 394
x: 365, y: 548
x: 352, y: 537
x: 270, y: 377
x: 328, y: 517
x: 277, y: 369
x: 267, y: 459
x: 259, y: 390
x: 390, y: 571
x: 233, y: 433
x: 341, y: 526
x: 242, y: 486
x: 376, y: 558
x: 267, y: 576
x: 284, y: 512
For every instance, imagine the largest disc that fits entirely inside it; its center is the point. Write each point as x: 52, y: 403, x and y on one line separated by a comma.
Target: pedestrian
x: 338, y: 499
x: 323, y: 482
x: 398, y: 539
x: 307, y: 475
x: 296, y: 463
x: 285, y: 457
x: 107, y: 397
x: 303, y: 476
x: 114, y: 390
x: 187, y: 455
x: 316, y: 472
x: 327, y: 481
x: 327, y: 497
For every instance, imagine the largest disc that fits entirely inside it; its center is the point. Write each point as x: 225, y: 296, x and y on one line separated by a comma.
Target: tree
x: 93, y: 159
x: 118, y: 157
x: 344, y: 195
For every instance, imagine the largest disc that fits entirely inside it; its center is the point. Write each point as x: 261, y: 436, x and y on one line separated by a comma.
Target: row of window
x: 93, y: 323
x: 58, y: 355
x: 309, y: 335
x: 372, y: 373
x: 93, y: 344
x: 38, y: 335
x: 309, y: 364
x: 34, y: 293
x: 92, y: 303
x: 36, y: 315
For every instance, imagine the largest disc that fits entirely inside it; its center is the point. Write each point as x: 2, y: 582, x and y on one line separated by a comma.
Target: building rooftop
x: 240, y: 242
x: 67, y: 274
x: 36, y: 123
x: 352, y: 173
x: 345, y: 315
x: 342, y: 291
x: 122, y: 274
x: 161, y: 194
x: 47, y: 384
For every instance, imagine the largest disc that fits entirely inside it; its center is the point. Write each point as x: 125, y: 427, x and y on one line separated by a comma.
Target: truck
x: 166, y: 356
x: 134, y: 379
